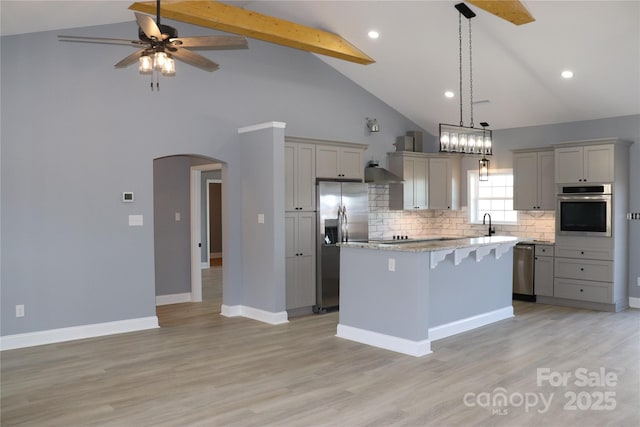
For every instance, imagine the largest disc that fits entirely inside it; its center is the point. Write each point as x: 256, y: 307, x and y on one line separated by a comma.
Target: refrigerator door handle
x: 340, y: 229
x: 345, y: 224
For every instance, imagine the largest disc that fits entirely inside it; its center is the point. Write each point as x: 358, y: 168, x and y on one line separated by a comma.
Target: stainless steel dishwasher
x: 523, y: 267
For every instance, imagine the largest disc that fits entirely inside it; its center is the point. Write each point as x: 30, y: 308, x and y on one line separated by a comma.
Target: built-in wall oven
x: 584, y: 210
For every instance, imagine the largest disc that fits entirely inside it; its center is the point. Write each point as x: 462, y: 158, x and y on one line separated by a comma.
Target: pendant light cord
x: 470, y: 76
x: 460, y: 61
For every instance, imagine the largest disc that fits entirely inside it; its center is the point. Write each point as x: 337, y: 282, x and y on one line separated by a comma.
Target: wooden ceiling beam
x: 511, y: 10
x: 231, y: 19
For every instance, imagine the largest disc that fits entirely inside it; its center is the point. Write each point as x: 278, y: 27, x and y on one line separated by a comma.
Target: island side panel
x: 393, y: 303
x: 470, y: 288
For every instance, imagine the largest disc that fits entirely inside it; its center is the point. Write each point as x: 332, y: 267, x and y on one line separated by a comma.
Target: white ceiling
x: 515, y: 68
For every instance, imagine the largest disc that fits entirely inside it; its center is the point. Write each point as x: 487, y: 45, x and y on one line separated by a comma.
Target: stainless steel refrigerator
x: 343, y: 216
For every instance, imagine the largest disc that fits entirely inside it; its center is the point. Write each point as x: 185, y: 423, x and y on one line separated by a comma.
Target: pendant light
x: 463, y: 139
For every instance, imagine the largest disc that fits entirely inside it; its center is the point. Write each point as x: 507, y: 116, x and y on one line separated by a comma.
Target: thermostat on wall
x: 127, y: 196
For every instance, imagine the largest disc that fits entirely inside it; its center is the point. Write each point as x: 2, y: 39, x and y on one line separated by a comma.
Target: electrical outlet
x: 178, y: 216
x: 20, y: 310
x: 392, y: 264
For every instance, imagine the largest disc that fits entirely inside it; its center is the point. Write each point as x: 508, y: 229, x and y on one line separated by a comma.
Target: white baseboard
x: 50, y: 336
x: 388, y: 342
x: 469, y: 323
x: 173, y: 298
x: 273, y: 318
x: 634, y: 302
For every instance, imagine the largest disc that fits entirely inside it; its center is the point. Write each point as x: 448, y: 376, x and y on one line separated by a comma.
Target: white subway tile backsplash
x: 384, y: 223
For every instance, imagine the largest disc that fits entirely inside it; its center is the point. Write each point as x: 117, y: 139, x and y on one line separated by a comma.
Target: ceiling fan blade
x: 131, y: 59
x: 148, y: 26
x: 510, y: 10
x: 195, y: 59
x: 211, y: 42
x: 101, y: 40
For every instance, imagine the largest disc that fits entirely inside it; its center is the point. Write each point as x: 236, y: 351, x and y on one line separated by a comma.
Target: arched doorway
x: 180, y: 248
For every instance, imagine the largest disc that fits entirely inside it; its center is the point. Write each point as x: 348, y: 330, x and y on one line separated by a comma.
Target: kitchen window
x: 494, y: 196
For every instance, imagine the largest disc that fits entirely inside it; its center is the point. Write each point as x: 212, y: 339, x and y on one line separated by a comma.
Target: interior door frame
x: 196, y: 227
x: 210, y: 181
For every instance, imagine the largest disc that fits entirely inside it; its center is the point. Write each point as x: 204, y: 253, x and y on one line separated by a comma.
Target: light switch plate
x: 20, y: 310
x: 392, y: 264
x: 178, y: 216
x: 135, y: 220
x: 638, y: 280
x: 260, y: 218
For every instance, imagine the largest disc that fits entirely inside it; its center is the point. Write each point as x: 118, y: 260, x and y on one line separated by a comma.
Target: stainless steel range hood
x: 373, y: 174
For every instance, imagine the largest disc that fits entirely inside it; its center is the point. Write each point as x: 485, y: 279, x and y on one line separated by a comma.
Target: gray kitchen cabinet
x: 339, y: 162
x: 431, y: 181
x: 533, y: 180
x: 543, y: 270
x: 588, y: 163
x: 300, y: 176
x: 413, y: 193
x: 444, y: 182
x: 300, y: 259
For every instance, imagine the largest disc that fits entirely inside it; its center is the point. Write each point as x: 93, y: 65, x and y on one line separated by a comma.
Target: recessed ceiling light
x: 567, y: 74
x: 449, y: 94
x: 374, y: 34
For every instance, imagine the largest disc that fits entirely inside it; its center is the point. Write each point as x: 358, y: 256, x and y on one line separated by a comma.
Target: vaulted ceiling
x: 516, y: 69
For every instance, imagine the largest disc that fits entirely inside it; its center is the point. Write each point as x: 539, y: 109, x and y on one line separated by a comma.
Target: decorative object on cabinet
x: 462, y: 139
x: 373, y: 125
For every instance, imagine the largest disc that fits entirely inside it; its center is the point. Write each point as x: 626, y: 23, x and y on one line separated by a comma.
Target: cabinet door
x: 525, y: 181
x: 408, y: 186
x: 546, y: 181
x: 439, y: 184
x: 327, y: 161
x: 421, y: 183
x: 543, y: 276
x: 598, y: 163
x: 300, y: 252
x: 305, y: 184
x: 290, y: 234
x: 351, y: 164
x: 569, y: 164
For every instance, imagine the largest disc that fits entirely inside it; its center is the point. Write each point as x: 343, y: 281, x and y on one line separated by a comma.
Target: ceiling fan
x: 159, y: 44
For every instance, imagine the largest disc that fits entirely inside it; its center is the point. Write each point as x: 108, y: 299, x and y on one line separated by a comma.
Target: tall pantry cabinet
x: 300, y: 224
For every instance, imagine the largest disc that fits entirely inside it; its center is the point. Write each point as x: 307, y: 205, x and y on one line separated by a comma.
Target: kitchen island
x: 402, y: 295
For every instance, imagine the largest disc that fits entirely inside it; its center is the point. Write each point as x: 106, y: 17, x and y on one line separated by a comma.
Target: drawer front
x: 544, y: 250
x: 583, y: 290
x: 568, y: 252
x: 600, y: 271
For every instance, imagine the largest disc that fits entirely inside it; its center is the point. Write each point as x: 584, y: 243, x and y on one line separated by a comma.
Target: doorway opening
x: 181, y: 228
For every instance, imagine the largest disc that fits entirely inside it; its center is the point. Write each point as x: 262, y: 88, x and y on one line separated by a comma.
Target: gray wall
x: 262, y: 166
x: 171, y: 183
x: 76, y: 133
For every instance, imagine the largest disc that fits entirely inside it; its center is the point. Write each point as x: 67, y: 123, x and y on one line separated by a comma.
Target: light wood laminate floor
x: 203, y: 369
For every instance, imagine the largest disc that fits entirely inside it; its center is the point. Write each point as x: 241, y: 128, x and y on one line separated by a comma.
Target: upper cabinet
x: 339, y: 162
x: 444, y: 182
x: 533, y: 180
x: 413, y: 193
x: 587, y: 163
x: 431, y: 181
x: 300, y: 176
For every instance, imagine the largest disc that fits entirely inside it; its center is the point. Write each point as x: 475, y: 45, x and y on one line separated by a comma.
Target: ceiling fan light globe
x: 146, y: 65
x: 169, y: 67
x: 159, y: 59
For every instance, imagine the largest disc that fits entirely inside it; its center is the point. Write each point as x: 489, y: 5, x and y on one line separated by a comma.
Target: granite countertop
x: 434, y: 244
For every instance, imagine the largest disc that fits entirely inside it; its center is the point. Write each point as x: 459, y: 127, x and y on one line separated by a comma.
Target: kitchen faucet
x: 492, y: 230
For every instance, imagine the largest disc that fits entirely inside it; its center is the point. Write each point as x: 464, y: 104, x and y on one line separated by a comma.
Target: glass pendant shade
x: 146, y: 64
x: 169, y: 67
x: 159, y: 60
x: 483, y: 169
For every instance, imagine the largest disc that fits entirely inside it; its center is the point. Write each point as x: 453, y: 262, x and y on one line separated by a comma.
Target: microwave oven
x: 584, y: 210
